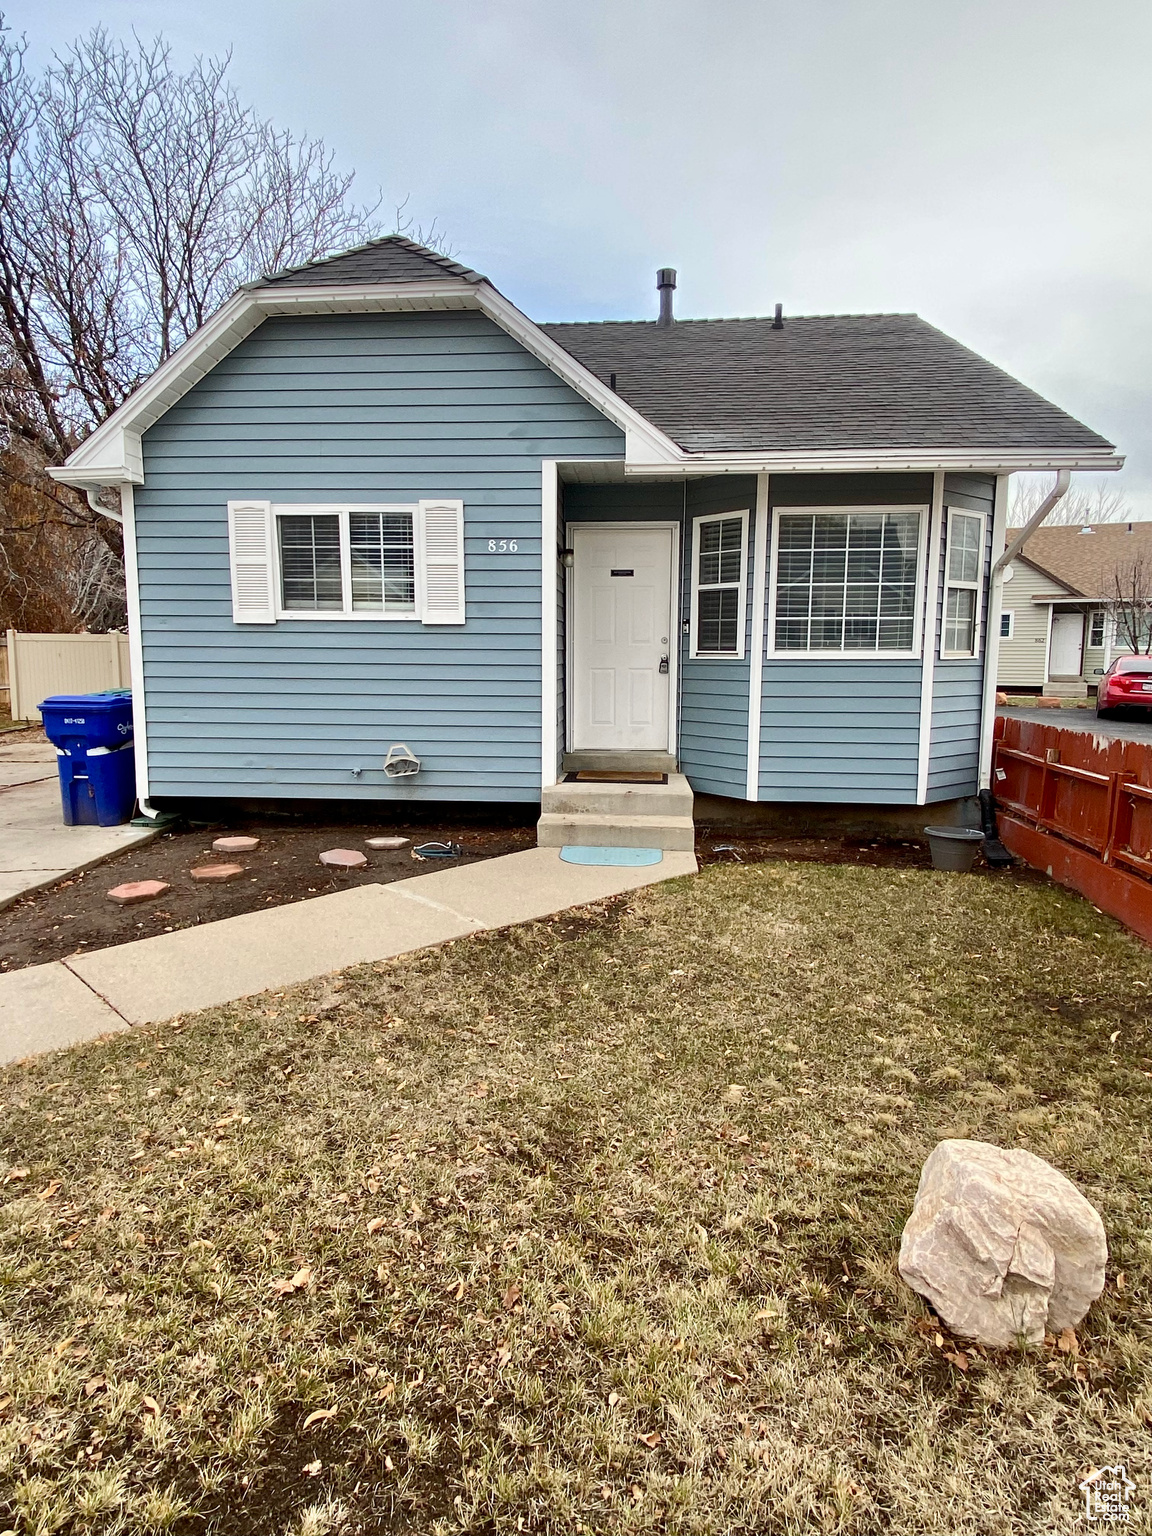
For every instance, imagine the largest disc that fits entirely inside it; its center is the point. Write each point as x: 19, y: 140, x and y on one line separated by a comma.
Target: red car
x: 1127, y: 684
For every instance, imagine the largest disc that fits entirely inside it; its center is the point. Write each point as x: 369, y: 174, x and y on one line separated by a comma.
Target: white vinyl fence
x: 41, y: 665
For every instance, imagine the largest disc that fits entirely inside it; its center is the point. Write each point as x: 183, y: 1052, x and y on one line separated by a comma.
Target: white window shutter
x: 441, y: 553
x: 250, y: 554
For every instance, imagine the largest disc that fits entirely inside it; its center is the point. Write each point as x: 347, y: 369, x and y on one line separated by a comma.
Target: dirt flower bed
x: 585, y: 1226
x: 76, y: 915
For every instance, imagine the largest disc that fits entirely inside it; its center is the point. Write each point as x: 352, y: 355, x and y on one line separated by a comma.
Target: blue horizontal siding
x: 835, y: 731
x: 329, y: 408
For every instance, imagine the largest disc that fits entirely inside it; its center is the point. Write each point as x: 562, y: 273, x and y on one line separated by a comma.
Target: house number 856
x: 502, y: 546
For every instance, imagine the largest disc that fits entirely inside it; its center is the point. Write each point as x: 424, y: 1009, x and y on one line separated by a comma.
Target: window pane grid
x: 380, y: 554
x: 963, y: 565
x: 719, y: 581
x: 383, y: 560
x: 310, y: 562
x: 846, y: 581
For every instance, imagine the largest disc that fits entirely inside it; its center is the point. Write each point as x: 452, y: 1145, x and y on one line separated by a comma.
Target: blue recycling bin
x: 92, y: 734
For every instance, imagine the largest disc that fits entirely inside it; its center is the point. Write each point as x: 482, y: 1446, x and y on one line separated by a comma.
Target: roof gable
x: 1089, y: 562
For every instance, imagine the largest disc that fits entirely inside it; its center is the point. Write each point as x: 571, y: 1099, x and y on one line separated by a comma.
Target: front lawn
x: 589, y: 1226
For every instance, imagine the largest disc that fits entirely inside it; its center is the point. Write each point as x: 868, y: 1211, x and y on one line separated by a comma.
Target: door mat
x: 621, y: 858
x: 615, y: 776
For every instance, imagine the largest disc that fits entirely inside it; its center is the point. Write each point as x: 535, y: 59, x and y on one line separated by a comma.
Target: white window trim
x: 1010, y: 615
x: 1089, y: 643
x: 976, y: 586
x: 921, y: 512
x: 741, y: 588
x: 342, y: 509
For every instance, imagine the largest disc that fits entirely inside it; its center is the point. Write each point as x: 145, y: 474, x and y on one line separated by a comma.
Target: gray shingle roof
x: 388, y: 260
x: 824, y: 381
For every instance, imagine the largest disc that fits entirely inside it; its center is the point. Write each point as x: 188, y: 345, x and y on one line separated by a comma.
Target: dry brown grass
x: 585, y: 1227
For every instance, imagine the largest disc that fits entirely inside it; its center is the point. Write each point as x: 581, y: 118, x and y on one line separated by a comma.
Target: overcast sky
x: 986, y: 163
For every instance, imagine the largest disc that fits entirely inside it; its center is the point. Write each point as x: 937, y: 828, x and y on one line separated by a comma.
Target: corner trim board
x: 756, y: 639
x: 135, y: 645
x: 549, y: 636
x: 928, y: 664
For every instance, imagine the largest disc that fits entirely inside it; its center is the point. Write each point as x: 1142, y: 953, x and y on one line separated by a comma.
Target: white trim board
x: 992, y: 635
x: 928, y: 667
x: 756, y: 638
x: 135, y: 648
x: 549, y: 638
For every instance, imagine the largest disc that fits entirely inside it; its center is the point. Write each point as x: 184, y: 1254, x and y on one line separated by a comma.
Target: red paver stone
x: 132, y: 891
x: 217, y: 872
x: 343, y: 858
x: 235, y: 844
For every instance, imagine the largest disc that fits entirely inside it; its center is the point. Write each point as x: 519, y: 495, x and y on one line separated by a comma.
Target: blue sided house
x: 373, y: 513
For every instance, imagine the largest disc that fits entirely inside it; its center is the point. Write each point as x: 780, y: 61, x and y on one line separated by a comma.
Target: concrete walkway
x: 48, y: 1006
x: 36, y: 848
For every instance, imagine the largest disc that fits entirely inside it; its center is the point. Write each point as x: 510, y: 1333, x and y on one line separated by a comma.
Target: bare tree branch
x: 133, y: 200
x: 1101, y: 502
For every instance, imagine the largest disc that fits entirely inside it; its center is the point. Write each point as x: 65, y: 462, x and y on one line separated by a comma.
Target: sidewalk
x: 36, y: 848
x: 48, y: 1006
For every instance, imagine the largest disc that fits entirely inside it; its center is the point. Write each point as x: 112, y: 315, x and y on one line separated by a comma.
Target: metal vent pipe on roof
x: 665, y: 287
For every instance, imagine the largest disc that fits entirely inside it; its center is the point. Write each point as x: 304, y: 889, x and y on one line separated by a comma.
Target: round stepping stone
x: 235, y: 844
x: 132, y: 891
x: 343, y: 858
x: 217, y: 872
x: 386, y: 842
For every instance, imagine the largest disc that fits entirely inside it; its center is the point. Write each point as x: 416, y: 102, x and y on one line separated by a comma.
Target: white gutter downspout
x: 995, y: 596
x: 115, y: 517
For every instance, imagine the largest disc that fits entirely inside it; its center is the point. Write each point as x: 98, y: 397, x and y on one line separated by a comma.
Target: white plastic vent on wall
x: 250, y: 555
x: 442, y: 558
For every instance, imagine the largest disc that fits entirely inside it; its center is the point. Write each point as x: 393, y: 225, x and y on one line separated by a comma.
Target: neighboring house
x: 370, y: 503
x: 1056, y: 634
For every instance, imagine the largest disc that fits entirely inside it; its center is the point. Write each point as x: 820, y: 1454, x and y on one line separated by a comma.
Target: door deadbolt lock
x: 663, y: 663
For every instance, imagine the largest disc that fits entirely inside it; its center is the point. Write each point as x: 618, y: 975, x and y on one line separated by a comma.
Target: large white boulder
x: 1003, y: 1246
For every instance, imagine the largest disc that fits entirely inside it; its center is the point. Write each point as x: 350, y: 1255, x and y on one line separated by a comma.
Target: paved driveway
x: 36, y: 848
x: 1084, y: 720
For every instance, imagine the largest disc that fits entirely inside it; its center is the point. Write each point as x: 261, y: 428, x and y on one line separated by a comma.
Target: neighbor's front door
x: 1067, y: 645
x: 621, y: 638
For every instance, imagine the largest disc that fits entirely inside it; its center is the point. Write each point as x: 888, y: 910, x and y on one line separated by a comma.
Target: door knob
x: 663, y: 663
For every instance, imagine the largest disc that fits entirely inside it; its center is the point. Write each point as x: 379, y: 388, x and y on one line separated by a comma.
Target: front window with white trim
x: 963, y: 562
x: 1096, y: 628
x: 347, y: 560
x: 719, y: 563
x: 1007, y: 623
x: 846, y: 580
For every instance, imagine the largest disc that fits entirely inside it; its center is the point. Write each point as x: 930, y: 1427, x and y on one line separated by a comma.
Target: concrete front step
x: 626, y: 762
x: 1066, y: 688
x: 674, y: 834
x: 662, y: 800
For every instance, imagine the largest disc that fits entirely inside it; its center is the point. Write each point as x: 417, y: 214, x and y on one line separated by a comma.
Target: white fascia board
x: 366, y: 298
x: 643, y: 442
x: 890, y: 460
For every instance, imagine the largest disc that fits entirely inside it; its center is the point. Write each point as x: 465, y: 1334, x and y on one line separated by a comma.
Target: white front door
x: 620, y: 651
x: 1067, y: 645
